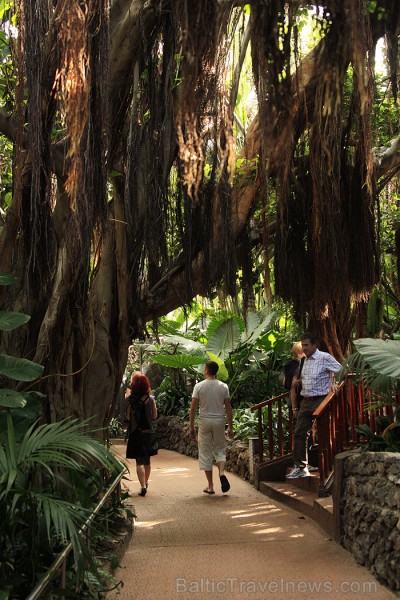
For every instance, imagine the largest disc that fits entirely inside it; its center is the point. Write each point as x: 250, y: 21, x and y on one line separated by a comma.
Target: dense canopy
x: 135, y: 185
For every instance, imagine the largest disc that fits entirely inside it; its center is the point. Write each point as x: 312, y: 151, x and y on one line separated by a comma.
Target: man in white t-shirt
x: 213, y: 398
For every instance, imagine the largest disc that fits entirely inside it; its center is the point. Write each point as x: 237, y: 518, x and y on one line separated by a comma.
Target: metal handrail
x: 61, y: 559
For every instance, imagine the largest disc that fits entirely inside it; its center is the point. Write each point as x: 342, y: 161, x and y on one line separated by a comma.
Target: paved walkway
x: 188, y: 545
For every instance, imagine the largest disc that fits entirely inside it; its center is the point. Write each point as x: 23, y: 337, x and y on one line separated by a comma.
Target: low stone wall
x: 369, y: 515
x: 173, y: 434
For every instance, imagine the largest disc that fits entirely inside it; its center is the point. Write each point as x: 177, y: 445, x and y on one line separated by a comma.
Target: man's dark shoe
x: 225, y: 487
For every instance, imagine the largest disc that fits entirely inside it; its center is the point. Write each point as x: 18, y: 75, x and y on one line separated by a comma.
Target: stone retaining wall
x: 370, y: 512
x: 173, y: 434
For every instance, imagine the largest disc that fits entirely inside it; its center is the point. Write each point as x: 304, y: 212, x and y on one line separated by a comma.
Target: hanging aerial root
x: 73, y: 81
x: 204, y: 26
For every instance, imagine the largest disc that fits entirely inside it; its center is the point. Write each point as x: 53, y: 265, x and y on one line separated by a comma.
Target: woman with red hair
x: 142, y: 440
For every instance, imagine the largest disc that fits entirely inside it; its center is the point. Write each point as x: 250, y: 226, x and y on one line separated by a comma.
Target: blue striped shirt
x: 318, y: 373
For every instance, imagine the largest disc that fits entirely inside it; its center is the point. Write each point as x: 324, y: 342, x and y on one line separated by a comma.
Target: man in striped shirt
x: 317, y: 376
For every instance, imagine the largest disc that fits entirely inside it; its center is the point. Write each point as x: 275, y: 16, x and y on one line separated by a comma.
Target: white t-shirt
x: 211, y: 394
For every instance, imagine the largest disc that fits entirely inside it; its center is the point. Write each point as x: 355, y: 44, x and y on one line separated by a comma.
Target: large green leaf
x: 252, y: 323
x: 22, y: 417
x: 4, y: 5
x: 381, y: 355
x: 12, y: 320
x: 185, y: 343
x: 254, y: 329
x: 11, y: 399
x: 219, y: 320
x: 222, y: 374
x: 178, y: 361
x: 259, y: 356
x: 225, y: 339
x: 167, y: 326
x: 19, y: 368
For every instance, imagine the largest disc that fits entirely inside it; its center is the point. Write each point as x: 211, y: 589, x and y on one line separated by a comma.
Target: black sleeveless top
x: 142, y: 411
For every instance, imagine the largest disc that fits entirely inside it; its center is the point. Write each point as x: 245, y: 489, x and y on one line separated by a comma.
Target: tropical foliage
x: 250, y: 353
x: 245, y: 425
x: 135, y: 173
x: 50, y: 478
x: 247, y: 353
x: 386, y: 440
x: 377, y: 365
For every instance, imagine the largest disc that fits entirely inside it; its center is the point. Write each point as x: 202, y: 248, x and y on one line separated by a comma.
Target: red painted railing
x: 278, y: 436
x: 336, y: 420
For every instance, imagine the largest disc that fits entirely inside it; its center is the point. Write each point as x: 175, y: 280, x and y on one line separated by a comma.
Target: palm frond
x: 64, y: 443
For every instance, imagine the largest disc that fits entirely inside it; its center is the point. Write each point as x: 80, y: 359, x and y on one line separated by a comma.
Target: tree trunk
x: 83, y: 317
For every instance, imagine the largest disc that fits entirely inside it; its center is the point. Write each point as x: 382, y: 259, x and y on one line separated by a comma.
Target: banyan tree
x: 130, y: 192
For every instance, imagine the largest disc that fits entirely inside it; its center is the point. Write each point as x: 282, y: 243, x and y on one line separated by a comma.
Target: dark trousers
x: 302, y: 429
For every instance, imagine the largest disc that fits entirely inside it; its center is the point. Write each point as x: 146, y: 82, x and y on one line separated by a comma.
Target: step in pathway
x: 302, y: 497
x: 189, y: 545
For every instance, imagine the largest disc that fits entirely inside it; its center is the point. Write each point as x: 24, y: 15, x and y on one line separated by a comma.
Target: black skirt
x: 142, y: 444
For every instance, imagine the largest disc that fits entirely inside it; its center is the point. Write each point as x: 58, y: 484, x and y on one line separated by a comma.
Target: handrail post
x: 260, y: 436
x: 270, y: 433
x: 280, y: 435
x: 268, y: 405
x: 63, y: 577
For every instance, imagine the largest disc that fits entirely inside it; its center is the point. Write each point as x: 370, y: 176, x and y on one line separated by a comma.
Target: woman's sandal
x: 207, y: 491
x: 142, y: 492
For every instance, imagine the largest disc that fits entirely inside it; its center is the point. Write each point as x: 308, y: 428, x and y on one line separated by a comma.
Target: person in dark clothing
x: 142, y: 410
x: 292, y: 366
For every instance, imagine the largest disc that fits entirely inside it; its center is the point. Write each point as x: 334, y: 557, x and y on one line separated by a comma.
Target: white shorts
x: 212, y: 441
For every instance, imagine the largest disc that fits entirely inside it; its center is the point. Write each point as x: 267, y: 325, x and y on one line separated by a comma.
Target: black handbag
x: 150, y: 442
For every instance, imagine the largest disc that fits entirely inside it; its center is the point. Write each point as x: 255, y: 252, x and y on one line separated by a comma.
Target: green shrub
x: 51, y: 477
x: 388, y: 437
x: 115, y: 428
x: 245, y: 425
x: 172, y: 400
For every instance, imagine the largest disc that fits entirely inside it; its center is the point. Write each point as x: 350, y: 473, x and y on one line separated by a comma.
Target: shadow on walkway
x: 190, y: 545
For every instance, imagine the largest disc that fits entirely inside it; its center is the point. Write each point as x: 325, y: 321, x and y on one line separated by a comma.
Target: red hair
x: 140, y: 384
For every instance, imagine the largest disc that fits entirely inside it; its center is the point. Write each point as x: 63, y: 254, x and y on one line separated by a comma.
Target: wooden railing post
x: 280, y: 428
x: 270, y: 429
x: 260, y: 436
